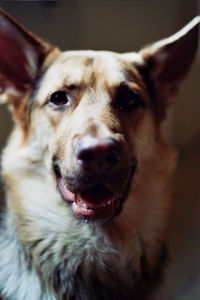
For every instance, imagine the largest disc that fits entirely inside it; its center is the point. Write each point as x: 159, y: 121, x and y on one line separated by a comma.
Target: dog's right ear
x: 167, y: 62
x: 21, y: 57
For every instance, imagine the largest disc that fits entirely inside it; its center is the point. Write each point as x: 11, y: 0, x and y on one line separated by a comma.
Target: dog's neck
x: 46, y: 232
x: 47, y: 260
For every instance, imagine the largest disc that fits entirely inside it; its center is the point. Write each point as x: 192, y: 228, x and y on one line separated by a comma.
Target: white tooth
x: 79, y: 197
x: 108, y: 203
x: 84, y: 205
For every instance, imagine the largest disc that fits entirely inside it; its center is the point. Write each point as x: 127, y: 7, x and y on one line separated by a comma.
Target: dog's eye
x: 127, y: 99
x: 59, y: 98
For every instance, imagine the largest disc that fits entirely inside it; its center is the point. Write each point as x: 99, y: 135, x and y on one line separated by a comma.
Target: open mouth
x: 93, y: 203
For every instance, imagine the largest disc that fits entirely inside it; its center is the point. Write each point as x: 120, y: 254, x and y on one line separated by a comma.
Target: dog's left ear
x: 168, y: 61
x: 21, y: 56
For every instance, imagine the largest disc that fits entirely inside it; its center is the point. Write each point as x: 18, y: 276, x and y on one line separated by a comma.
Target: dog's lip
x: 67, y: 195
x: 94, y: 202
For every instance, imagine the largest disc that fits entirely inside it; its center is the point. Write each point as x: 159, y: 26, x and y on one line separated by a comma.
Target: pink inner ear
x: 14, y: 64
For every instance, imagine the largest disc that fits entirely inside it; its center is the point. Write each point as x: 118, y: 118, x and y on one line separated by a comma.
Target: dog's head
x: 97, y: 114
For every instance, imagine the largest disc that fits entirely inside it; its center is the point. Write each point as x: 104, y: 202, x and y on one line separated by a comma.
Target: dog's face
x: 100, y: 111
x: 97, y: 114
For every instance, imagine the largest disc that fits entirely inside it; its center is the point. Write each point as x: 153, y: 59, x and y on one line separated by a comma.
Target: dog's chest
x: 87, y: 266
x: 81, y: 268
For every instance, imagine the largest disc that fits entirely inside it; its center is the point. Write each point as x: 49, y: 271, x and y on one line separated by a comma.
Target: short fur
x: 46, y: 252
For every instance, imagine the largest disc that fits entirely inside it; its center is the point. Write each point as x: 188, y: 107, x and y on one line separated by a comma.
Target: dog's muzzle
x: 100, y: 182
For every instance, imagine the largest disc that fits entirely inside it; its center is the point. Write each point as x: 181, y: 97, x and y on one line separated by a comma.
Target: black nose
x: 98, y: 153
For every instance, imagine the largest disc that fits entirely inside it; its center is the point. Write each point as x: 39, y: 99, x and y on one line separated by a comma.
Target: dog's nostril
x: 98, y: 153
x: 85, y: 155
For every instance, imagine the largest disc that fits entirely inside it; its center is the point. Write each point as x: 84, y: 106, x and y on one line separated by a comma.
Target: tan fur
x: 55, y: 248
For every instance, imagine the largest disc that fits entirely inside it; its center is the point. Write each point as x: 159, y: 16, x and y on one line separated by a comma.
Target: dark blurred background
x: 127, y: 26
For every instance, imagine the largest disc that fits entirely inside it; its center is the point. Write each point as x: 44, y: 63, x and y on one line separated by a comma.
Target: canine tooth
x: 82, y: 202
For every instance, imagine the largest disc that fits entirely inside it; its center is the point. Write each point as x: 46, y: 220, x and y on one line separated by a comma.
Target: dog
x: 86, y: 169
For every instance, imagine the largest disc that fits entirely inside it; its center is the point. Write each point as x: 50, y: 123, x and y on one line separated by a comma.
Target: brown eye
x: 127, y: 99
x: 59, y: 98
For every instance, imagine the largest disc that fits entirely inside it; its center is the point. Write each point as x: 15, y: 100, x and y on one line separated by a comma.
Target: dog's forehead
x: 77, y: 67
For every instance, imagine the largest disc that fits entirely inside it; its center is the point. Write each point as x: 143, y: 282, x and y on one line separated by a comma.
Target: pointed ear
x: 21, y: 57
x: 168, y: 62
